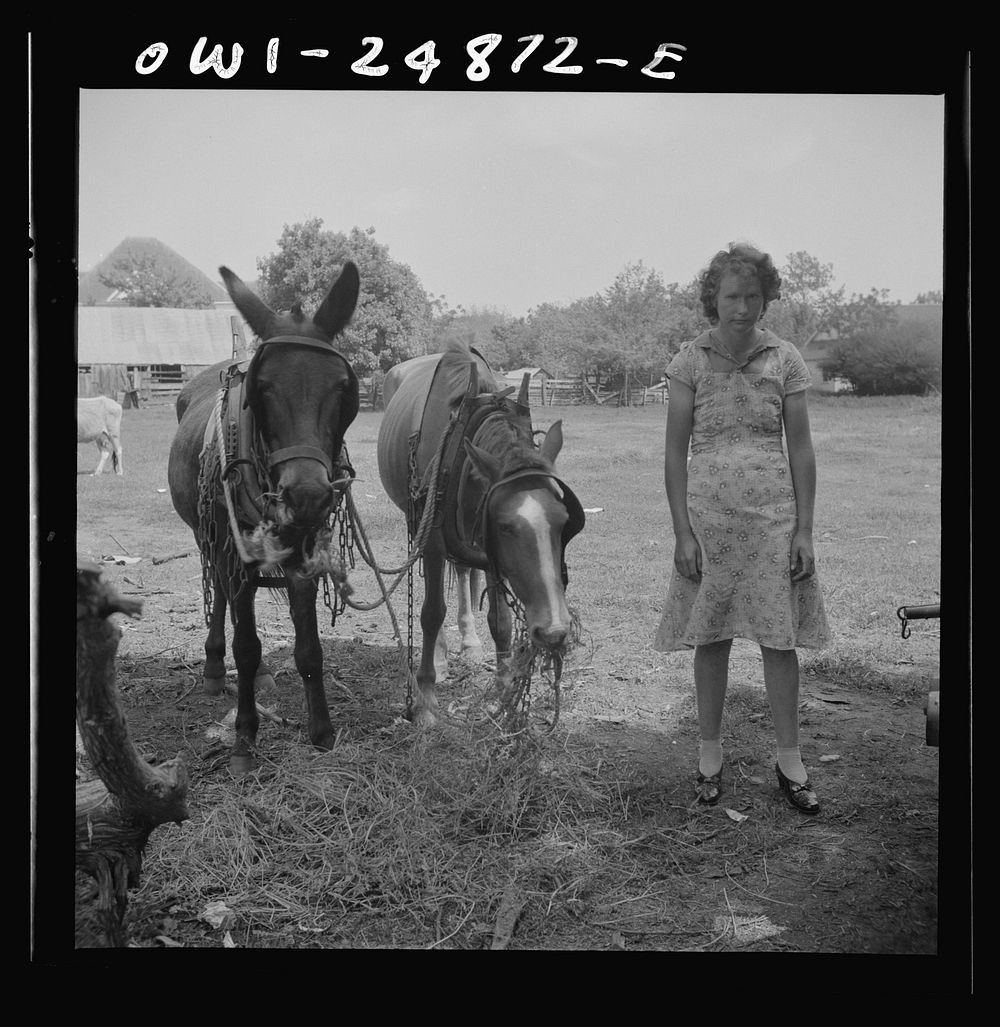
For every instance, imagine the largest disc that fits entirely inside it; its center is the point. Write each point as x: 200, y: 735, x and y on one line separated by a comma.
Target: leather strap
x: 279, y: 456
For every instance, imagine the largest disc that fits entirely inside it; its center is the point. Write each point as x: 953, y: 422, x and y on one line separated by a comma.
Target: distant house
x: 821, y: 344
x: 158, y: 348
x: 814, y: 351
x: 164, y: 346
x: 537, y: 377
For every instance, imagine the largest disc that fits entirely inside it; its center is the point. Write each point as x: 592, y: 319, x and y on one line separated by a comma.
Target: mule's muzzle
x: 553, y: 636
x: 302, y: 506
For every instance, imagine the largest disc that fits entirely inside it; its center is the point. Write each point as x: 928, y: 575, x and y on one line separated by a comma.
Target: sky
x: 508, y: 200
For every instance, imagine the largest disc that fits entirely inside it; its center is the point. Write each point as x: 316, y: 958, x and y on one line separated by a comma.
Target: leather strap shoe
x: 708, y: 789
x: 802, y: 797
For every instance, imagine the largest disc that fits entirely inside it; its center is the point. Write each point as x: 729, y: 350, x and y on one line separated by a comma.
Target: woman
x: 742, y: 511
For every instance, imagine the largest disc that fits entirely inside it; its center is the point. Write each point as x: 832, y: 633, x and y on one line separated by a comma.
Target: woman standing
x: 742, y: 511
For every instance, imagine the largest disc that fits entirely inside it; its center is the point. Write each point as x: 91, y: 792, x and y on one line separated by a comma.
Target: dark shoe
x: 708, y: 789
x: 802, y: 797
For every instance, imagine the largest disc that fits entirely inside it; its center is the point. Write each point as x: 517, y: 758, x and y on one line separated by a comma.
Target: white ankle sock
x: 710, y: 757
x: 791, y: 765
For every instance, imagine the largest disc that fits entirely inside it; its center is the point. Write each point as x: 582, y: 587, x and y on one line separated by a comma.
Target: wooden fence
x: 579, y: 390
x: 155, y: 381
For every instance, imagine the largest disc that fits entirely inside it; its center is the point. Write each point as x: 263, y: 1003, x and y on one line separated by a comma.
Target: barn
x: 821, y: 344
x: 159, y: 348
x: 537, y: 377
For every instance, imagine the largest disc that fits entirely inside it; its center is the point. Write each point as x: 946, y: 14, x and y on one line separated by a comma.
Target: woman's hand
x: 687, y: 556
x: 802, y: 556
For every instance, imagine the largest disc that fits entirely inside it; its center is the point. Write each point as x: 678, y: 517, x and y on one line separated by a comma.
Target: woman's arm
x: 802, y: 462
x: 680, y: 411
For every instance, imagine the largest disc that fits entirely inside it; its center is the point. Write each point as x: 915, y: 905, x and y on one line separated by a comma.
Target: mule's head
x: 529, y: 517
x: 304, y: 396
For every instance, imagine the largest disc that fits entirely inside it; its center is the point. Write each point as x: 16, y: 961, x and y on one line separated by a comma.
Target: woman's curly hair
x: 741, y: 258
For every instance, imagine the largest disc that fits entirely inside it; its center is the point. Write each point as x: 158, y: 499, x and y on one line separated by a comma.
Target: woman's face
x: 740, y: 303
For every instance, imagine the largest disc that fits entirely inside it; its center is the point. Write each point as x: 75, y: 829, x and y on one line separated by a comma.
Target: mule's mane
x: 507, y: 438
x: 510, y: 440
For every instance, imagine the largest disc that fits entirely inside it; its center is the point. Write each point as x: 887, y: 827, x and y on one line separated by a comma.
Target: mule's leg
x: 116, y: 455
x: 214, y: 678
x: 432, y: 616
x: 309, y: 659
x: 246, y: 653
x: 466, y: 582
x: 500, y: 621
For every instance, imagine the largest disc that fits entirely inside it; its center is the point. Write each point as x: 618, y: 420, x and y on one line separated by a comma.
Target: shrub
x: 897, y: 361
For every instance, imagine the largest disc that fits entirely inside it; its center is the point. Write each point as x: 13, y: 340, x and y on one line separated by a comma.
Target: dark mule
x: 277, y: 473
x: 502, y: 508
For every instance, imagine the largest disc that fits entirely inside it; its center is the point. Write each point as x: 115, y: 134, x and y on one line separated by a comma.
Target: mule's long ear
x: 258, y: 314
x: 338, y: 307
x: 522, y: 396
x: 552, y: 442
x: 486, y: 465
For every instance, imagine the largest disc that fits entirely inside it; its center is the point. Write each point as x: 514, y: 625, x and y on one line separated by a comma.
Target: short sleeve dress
x: 742, y: 508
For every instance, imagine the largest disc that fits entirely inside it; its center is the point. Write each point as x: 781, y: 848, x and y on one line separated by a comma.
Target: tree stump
x: 115, y: 815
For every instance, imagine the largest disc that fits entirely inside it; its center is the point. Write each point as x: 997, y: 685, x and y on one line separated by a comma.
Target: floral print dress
x: 742, y: 508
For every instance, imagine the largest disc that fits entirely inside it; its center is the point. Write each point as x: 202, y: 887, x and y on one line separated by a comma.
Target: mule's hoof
x: 214, y: 686
x: 327, y: 740
x: 424, y: 717
x: 241, y: 764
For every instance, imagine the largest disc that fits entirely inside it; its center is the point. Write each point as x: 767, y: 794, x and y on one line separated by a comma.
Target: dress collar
x: 768, y: 340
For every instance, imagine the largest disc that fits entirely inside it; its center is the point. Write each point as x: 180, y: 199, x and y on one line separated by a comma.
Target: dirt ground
x: 861, y: 877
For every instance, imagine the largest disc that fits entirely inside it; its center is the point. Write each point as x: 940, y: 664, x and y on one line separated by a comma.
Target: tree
x: 930, y: 297
x: 870, y: 314
x: 636, y: 316
x: 892, y: 361
x: 685, y: 317
x: 485, y: 327
x: 392, y: 321
x: 145, y: 281
x: 808, y: 300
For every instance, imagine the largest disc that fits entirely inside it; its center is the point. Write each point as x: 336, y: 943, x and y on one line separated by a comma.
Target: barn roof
x: 520, y: 372
x: 155, y: 335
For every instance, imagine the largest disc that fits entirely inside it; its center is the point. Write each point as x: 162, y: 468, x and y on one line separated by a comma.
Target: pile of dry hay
x: 402, y: 834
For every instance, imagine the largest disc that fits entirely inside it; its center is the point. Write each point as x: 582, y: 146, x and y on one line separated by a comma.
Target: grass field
x: 877, y: 524
x: 399, y: 838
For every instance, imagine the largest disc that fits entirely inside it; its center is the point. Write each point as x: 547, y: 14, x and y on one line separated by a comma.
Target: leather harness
x: 474, y: 411
x: 247, y: 458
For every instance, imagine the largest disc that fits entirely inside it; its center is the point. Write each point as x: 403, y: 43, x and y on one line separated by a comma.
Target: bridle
x: 475, y: 410
x: 574, y: 521
x: 250, y: 396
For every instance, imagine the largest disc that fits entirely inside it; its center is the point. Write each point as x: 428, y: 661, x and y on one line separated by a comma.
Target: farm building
x: 163, y: 347
x: 814, y: 351
x: 821, y: 345
x: 537, y: 379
